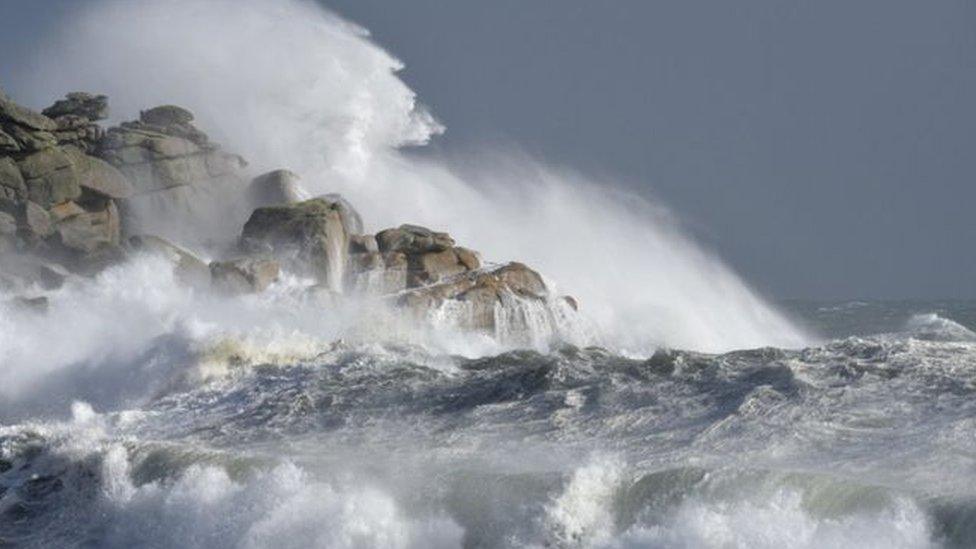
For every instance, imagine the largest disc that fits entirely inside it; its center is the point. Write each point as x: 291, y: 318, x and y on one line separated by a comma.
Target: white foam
x: 289, y: 85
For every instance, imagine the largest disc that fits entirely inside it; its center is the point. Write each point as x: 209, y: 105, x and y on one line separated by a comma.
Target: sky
x: 825, y: 149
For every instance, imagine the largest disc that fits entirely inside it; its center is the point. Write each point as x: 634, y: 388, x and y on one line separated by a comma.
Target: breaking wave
x: 317, y: 96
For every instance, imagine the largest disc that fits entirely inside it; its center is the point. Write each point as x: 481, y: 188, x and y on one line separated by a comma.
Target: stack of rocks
x: 75, y: 198
x: 56, y: 201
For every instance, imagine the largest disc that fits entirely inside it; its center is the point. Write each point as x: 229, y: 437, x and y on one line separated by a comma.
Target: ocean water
x: 681, y: 410
x: 863, y: 439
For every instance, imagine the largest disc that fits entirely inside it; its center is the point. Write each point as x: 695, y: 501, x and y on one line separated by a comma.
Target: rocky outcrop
x: 310, y: 237
x: 75, y: 199
x: 57, y: 201
x: 179, y: 178
x: 477, y: 294
x: 408, y: 256
x: 76, y: 117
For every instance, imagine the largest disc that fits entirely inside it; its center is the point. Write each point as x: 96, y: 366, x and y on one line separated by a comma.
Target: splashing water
x: 315, y: 95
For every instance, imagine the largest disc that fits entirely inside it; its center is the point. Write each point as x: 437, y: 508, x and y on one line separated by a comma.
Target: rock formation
x: 179, y: 177
x: 57, y: 201
x: 75, y: 199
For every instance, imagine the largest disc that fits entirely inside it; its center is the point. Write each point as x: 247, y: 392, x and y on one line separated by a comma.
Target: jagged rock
x: 310, y: 235
x: 79, y: 104
x: 13, y: 112
x: 276, y: 187
x: 244, y: 275
x: 187, y: 268
x: 413, y: 239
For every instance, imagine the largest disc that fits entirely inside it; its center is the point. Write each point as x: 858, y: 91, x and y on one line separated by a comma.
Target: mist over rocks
x: 76, y: 198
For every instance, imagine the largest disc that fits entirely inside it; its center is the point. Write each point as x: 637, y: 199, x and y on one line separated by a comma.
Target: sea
x: 866, y: 438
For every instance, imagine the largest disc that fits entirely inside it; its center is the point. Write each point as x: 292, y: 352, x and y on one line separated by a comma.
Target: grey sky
x: 824, y: 148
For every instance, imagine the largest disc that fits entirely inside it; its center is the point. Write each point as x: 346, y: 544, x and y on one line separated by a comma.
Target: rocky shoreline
x: 76, y: 198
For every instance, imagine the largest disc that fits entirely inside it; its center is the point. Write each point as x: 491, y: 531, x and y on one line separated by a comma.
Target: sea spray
x: 316, y: 96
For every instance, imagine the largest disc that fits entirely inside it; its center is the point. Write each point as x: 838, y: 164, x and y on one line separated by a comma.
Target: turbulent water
x: 860, y: 441
x: 139, y: 413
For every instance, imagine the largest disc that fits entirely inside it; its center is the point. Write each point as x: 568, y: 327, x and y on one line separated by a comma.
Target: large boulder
x: 312, y: 237
x: 478, y: 294
x: 413, y: 239
x: 408, y: 256
x: 97, y: 176
x: 276, y: 187
x: 50, y: 177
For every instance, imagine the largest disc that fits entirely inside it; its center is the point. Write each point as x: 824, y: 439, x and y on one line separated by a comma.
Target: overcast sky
x: 824, y: 148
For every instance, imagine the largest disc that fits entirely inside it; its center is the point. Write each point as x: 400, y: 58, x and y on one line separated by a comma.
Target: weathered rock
x: 166, y: 115
x: 50, y: 177
x: 413, y: 239
x: 187, y: 268
x: 433, y: 267
x: 64, y: 210
x: 34, y: 221
x: 244, y: 275
x: 310, y: 235
x: 179, y: 180
x: 7, y: 143
x: 468, y: 258
x: 31, y: 140
x: 363, y: 244
x: 99, y: 176
x: 12, y: 184
x: 478, y: 292
x: 13, y: 112
x: 277, y: 187
x: 80, y: 104
x: 89, y: 231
